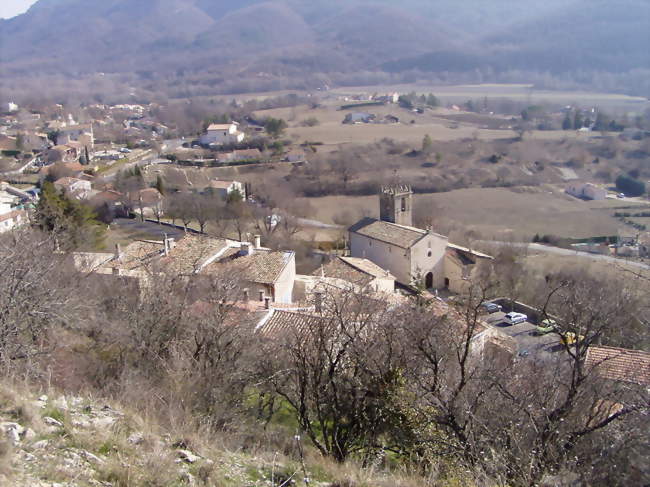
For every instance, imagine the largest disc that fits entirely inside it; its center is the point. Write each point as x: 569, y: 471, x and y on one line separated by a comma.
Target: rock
x: 136, y: 438
x: 52, y: 422
x: 43, y: 398
x: 29, y: 434
x: 13, y: 431
x: 81, y: 423
x: 40, y: 445
x: 60, y: 403
x: 188, y: 478
x: 188, y: 456
x: 86, y: 455
x: 104, y: 422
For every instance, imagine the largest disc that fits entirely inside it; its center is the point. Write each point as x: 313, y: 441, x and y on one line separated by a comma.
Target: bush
x: 630, y: 186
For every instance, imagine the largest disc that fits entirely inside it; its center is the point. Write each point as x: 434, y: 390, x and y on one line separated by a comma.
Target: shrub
x: 630, y: 186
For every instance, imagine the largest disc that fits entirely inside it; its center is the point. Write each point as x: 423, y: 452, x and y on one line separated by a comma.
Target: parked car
x: 513, y: 318
x: 570, y: 338
x: 125, y: 150
x: 620, y: 195
x: 546, y: 326
x: 490, y: 307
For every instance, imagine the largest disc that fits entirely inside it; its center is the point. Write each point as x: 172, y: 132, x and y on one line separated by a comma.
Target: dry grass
x: 492, y: 212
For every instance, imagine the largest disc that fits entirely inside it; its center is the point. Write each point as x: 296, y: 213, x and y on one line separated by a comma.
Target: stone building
x: 416, y: 257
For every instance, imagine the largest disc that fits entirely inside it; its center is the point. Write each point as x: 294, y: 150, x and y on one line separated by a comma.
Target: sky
x: 11, y: 8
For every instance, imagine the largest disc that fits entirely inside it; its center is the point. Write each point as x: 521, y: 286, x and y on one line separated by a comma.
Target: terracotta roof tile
x: 279, y: 323
x: 262, y: 266
x: 620, y: 364
x: 354, y: 270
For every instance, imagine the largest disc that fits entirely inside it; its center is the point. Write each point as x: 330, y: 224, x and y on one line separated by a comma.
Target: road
x: 570, y: 253
x: 318, y: 224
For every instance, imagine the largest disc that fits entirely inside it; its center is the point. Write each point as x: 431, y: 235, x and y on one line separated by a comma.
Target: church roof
x: 390, y: 233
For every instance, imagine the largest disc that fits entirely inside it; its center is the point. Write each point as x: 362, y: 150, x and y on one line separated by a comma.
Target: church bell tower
x: 396, y: 204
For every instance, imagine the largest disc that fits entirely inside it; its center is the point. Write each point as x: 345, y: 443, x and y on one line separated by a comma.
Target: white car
x: 513, y: 318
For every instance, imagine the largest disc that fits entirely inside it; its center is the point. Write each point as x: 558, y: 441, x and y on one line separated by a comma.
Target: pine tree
x: 160, y: 184
x: 73, y: 223
x: 427, y: 144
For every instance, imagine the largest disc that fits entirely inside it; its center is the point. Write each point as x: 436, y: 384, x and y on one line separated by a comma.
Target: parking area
x: 529, y: 342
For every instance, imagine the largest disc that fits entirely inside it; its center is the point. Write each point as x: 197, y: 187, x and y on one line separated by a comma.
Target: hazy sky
x: 11, y: 8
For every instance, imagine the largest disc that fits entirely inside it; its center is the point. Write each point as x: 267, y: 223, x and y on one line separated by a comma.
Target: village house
x: 359, y: 117
x: 12, y: 215
x: 359, y: 275
x: 414, y: 256
x: 295, y: 156
x: 265, y: 273
x: 69, y: 152
x: 222, y: 134
x: 586, y: 191
x: 224, y: 189
x: 73, y: 187
x: 83, y: 134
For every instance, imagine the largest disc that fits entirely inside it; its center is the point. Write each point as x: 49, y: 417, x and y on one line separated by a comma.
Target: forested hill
x: 335, y: 36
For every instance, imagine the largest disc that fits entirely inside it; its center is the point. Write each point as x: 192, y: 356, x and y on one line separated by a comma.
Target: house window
x: 429, y: 253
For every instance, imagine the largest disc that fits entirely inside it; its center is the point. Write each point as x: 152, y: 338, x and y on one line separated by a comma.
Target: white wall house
x: 10, y: 217
x: 225, y: 188
x: 83, y: 134
x: 586, y: 191
x: 73, y: 187
x: 223, y: 134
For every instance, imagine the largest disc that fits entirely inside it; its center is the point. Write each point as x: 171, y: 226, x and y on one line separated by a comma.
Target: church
x: 414, y: 256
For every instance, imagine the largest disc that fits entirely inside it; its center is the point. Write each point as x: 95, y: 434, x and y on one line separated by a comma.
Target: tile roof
x: 354, y: 270
x: 221, y: 126
x: 221, y: 184
x: 192, y: 253
x: 187, y: 256
x: 368, y: 267
x: 262, y: 266
x: 137, y: 255
x: 473, y: 253
x: 391, y: 233
x: 620, y: 364
x: 279, y: 322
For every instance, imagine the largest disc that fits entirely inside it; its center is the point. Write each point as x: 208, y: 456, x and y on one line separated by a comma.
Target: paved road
x: 573, y: 253
x: 318, y: 224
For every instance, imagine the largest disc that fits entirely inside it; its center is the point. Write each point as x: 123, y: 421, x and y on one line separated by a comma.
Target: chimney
x: 172, y: 243
x: 267, y: 303
x: 261, y: 296
x: 118, y: 251
x: 318, y: 301
x: 258, y: 241
x: 246, y: 248
x: 246, y: 295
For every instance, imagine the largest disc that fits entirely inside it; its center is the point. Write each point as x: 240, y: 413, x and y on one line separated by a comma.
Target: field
x: 441, y: 124
x: 501, y: 213
x: 519, y: 92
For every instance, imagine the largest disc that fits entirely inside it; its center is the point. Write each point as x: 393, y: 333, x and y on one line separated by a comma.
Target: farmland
x: 501, y: 213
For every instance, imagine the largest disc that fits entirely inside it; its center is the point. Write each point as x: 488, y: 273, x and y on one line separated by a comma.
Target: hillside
x: 302, y: 38
x: 70, y: 440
